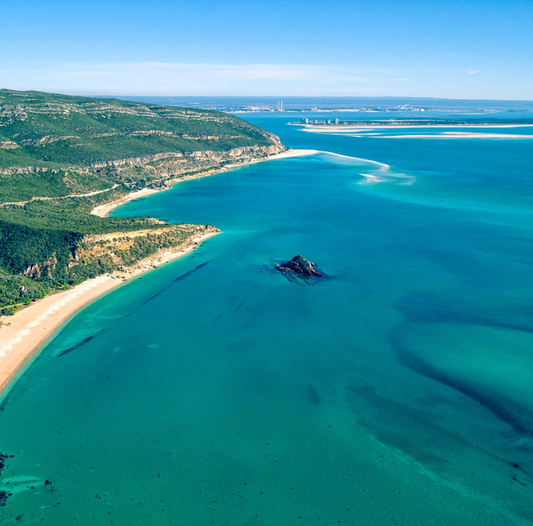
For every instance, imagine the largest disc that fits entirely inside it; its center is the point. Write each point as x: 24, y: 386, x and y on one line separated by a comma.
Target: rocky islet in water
x: 300, y: 266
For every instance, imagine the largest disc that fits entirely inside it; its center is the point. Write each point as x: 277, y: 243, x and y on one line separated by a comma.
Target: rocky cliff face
x: 158, y: 170
x: 247, y: 152
x: 43, y: 269
x: 120, y: 251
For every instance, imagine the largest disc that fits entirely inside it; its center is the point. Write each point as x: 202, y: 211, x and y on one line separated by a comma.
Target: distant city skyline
x: 469, y: 50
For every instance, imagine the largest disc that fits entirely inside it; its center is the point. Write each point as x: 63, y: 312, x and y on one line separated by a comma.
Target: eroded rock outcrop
x: 300, y: 266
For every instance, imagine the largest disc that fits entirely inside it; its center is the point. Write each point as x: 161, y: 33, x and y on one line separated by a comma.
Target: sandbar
x: 366, y: 127
x: 458, y: 135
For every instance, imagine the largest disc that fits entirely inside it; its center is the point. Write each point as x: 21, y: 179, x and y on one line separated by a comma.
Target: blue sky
x: 469, y: 49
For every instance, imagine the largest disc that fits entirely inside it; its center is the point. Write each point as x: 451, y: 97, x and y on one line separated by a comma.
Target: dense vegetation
x: 60, y: 156
x: 52, y: 145
x: 35, y: 262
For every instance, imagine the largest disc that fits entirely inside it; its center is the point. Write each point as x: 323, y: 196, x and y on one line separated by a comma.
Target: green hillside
x: 52, y: 145
x: 60, y: 156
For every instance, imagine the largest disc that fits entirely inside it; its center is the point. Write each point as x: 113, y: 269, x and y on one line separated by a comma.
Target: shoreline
x: 24, y: 334
x: 357, y: 127
x: 483, y: 132
x: 105, y: 209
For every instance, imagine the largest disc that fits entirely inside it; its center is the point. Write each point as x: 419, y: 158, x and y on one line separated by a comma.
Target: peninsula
x: 65, y: 162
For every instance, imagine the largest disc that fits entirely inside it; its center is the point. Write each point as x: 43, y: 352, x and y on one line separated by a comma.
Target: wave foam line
x: 370, y: 161
x: 407, y: 180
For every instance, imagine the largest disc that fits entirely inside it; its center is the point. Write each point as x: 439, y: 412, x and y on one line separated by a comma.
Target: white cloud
x: 472, y: 71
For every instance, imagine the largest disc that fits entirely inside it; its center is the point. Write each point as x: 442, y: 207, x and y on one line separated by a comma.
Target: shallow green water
x: 214, y: 391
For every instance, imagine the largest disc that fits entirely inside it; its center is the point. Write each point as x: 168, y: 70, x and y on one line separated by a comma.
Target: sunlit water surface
x: 397, y: 389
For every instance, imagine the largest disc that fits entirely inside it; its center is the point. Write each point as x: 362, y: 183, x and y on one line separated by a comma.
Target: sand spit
x: 363, y: 127
x: 458, y: 135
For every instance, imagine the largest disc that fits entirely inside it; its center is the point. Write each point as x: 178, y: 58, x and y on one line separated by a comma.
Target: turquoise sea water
x: 397, y: 390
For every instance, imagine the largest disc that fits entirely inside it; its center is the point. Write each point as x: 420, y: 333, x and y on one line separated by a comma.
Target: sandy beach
x: 103, y: 210
x: 283, y: 155
x: 23, y: 335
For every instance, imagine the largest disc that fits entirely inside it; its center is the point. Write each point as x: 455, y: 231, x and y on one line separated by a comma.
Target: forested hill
x: 60, y: 156
x: 52, y: 145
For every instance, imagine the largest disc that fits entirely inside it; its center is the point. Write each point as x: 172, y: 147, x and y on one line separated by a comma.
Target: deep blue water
x: 397, y: 389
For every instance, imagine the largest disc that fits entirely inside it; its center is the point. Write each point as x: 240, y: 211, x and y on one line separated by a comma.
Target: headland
x: 23, y: 334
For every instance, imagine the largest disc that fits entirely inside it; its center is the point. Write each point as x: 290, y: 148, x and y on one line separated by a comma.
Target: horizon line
x: 99, y: 95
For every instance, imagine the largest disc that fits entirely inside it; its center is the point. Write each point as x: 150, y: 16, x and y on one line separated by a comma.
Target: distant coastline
x: 336, y: 128
x: 24, y: 334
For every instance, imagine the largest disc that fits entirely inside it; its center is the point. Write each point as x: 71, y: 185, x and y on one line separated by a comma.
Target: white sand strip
x: 23, y: 334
